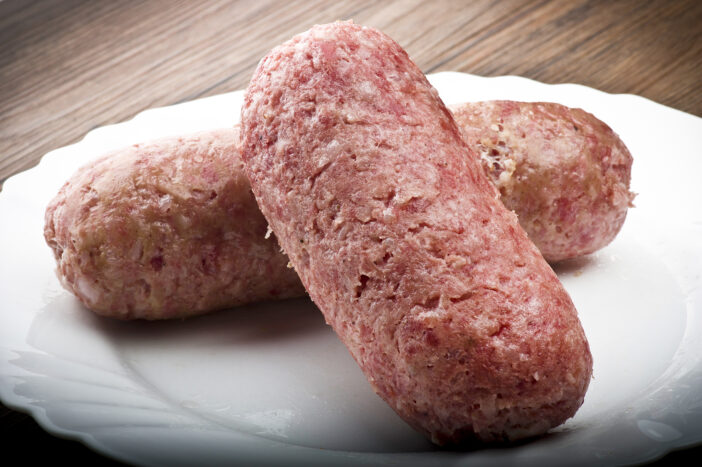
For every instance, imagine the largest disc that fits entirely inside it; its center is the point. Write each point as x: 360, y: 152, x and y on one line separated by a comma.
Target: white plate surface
x: 271, y: 384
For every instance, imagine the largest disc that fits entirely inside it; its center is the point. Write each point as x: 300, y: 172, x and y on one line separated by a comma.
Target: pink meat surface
x: 167, y: 229
x: 564, y: 172
x: 398, y: 236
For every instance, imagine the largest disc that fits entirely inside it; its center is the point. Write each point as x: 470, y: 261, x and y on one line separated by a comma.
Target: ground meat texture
x: 564, y: 172
x: 167, y: 229
x: 450, y: 310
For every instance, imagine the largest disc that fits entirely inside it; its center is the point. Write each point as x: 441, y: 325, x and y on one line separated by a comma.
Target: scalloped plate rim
x: 39, y: 413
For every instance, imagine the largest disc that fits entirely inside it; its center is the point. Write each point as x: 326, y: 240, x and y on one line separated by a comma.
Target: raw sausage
x: 398, y: 236
x: 564, y: 172
x: 167, y: 229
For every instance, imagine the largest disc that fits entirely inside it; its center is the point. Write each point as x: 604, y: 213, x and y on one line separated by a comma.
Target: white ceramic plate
x: 271, y: 384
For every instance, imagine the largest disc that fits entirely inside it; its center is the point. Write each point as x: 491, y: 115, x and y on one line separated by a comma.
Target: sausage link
x: 564, y: 172
x: 167, y: 229
x: 449, y: 309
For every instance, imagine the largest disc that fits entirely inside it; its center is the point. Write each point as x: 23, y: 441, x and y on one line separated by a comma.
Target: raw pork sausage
x: 167, y: 229
x: 564, y: 172
x: 398, y: 236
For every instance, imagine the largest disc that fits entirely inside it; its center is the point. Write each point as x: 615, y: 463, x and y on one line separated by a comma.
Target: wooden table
x: 69, y: 66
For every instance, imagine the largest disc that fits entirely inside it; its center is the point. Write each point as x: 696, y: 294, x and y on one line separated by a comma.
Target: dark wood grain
x: 69, y: 66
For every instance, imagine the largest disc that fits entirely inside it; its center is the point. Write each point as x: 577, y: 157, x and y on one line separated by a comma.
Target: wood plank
x: 69, y: 66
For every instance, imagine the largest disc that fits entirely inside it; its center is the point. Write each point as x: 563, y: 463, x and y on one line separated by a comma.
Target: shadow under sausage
x: 251, y: 324
x: 574, y: 265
